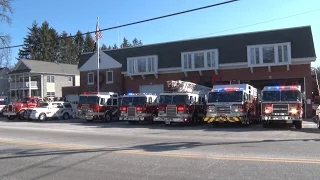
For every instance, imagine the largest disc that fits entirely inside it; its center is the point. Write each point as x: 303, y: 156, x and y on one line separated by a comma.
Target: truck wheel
x: 21, y: 115
x: 42, y: 117
x: 133, y: 122
x: 152, y: 117
x: 66, y: 116
x: 11, y: 117
x: 298, y: 125
x: 264, y: 124
x: 107, y: 117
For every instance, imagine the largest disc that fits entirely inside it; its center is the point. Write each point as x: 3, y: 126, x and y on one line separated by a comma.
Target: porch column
x: 15, y: 86
x: 23, y: 86
x: 41, y: 85
x: 29, y: 85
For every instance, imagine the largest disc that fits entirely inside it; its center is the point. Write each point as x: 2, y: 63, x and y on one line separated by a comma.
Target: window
x: 115, y: 102
x: 271, y: 54
x: 51, y: 94
x: 206, y: 59
x: 69, y: 78
x: 102, y: 101
x: 109, y: 77
x: 90, y: 78
x: 142, y: 65
x: 67, y: 105
x: 50, y: 79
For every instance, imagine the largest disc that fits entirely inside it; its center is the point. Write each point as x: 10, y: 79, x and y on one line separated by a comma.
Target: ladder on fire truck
x: 184, y: 86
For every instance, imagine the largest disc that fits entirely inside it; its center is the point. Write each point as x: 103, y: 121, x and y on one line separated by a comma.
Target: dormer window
x: 199, y: 60
x: 142, y: 65
x: 269, y: 54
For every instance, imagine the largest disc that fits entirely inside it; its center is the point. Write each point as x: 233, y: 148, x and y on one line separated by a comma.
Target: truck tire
x: 42, y: 117
x: 298, y: 125
x: 107, y: 117
x: 11, y: 117
x: 65, y: 116
x: 21, y: 115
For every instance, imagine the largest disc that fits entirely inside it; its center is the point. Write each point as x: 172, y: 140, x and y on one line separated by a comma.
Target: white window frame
x: 51, y: 79
x: 216, y: 60
x: 275, y: 46
x: 90, y: 73
x: 109, y: 82
x: 135, y: 64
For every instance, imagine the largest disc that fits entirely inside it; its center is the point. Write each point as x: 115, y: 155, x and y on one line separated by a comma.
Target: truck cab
x: 235, y: 103
x: 137, y: 107
x: 98, y: 106
x: 282, y: 104
x: 184, y: 104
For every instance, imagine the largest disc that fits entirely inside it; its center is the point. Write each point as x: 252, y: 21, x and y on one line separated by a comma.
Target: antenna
x: 118, y: 35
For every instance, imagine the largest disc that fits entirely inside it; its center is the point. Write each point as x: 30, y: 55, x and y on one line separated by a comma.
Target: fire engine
x: 282, y: 104
x: 236, y: 103
x: 184, y: 104
x: 138, y: 107
x: 18, y: 108
x: 98, y: 105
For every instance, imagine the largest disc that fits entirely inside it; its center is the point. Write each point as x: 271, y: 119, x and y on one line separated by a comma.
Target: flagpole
x: 98, y: 47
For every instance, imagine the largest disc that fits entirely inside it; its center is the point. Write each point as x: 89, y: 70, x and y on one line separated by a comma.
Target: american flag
x: 98, y: 34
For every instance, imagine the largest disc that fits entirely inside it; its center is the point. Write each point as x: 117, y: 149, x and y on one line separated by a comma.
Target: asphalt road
x: 79, y: 150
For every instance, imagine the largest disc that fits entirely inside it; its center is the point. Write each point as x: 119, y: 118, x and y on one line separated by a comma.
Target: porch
x: 25, y: 84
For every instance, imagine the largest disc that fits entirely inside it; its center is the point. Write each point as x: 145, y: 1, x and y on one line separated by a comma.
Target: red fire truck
x: 98, y: 106
x: 236, y: 103
x: 18, y: 109
x: 138, y: 107
x: 184, y: 104
x: 282, y: 104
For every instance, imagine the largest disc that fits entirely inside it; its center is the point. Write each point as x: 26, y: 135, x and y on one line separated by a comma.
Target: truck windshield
x: 225, y: 96
x: 270, y: 96
x: 290, y: 96
x: 174, y: 99
x: 3, y: 103
x: 134, y: 101
x: 88, y: 100
x: 281, y: 96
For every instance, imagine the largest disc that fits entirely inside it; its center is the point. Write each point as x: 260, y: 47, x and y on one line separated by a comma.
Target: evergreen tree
x: 109, y: 47
x: 79, y: 44
x: 135, y: 42
x: 88, y: 43
x: 31, y: 48
x: 140, y: 43
x: 104, y: 47
x: 67, y: 52
x: 115, y: 46
x: 125, y: 43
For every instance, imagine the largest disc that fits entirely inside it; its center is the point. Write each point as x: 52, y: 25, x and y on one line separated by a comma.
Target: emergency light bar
x: 132, y: 94
x: 279, y: 88
x: 227, y: 89
x: 101, y: 93
x: 1, y: 99
x: 233, y: 87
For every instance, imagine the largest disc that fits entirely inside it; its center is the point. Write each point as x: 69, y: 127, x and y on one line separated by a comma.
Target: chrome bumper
x: 280, y: 118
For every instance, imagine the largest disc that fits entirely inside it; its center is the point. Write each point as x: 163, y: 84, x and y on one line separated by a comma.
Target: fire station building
x: 273, y: 57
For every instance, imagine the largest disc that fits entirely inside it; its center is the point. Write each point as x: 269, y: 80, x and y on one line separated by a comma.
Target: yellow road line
x: 166, y: 154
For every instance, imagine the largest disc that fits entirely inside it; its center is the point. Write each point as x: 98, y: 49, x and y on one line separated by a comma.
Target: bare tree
x: 5, y: 17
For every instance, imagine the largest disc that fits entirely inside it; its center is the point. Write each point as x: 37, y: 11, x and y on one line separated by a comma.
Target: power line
x: 263, y: 22
x: 137, y: 22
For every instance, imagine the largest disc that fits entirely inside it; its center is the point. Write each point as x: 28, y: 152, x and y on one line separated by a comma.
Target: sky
x: 238, y: 17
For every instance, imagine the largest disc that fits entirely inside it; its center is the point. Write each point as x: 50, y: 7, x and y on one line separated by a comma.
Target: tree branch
x: 5, y: 11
